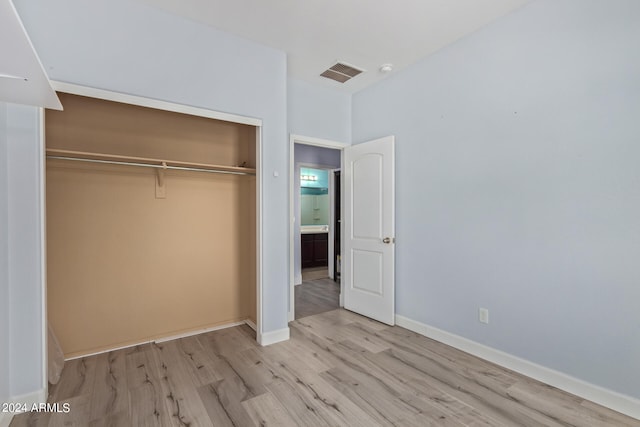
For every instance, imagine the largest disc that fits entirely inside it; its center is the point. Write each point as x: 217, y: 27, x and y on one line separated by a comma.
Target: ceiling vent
x: 341, y: 72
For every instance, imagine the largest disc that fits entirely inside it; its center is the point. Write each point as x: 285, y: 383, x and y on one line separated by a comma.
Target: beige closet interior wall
x: 125, y: 267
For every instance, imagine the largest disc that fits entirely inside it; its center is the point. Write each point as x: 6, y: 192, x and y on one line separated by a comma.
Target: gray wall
x: 21, y: 296
x: 518, y: 186
x: 318, y: 112
x: 5, y: 389
x: 308, y: 155
x: 133, y: 48
x: 24, y: 157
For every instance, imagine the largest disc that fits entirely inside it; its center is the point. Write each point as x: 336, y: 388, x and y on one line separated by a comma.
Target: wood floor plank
x: 237, y: 381
x: 323, y: 330
x: 198, y: 362
x: 110, y: 393
x: 327, y: 401
x: 223, y: 409
x: 300, y: 408
x: 341, y: 317
x: 365, y: 337
x: 181, y: 397
x: 605, y: 416
x: 316, y: 296
x: 252, y: 377
x: 228, y: 394
x: 147, y: 401
x: 118, y: 419
x: 351, y: 358
x: 402, y: 399
x: 284, y: 350
x: 427, y: 419
x: 424, y: 372
x: 227, y: 341
x: 267, y: 411
x: 335, y: 331
x: 77, y: 378
x: 358, y: 363
x: 315, y: 344
x: 255, y: 359
x: 386, y: 408
x: 563, y: 407
x: 78, y: 416
x: 31, y: 419
x: 460, y: 361
x: 503, y: 383
x: 435, y: 403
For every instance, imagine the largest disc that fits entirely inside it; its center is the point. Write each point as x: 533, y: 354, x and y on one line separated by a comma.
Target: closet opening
x: 152, y: 221
x: 315, y: 226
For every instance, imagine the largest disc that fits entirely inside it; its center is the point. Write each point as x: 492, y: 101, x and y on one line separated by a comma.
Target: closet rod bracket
x: 161, y: 191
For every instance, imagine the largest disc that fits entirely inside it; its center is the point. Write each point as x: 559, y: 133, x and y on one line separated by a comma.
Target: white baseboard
x: 618, y: 402
x: 198, y: 332
x: 165, y: 338
x: 268, y: 338
x: 251, y: 325
x: 29, y: 400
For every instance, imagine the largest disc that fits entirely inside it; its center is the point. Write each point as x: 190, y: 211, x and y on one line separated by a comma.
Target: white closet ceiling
x: 22, y: 78
x: 363, y: 33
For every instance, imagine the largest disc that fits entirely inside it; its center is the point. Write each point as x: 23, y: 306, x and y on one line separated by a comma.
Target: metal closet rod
x: 146, y: 165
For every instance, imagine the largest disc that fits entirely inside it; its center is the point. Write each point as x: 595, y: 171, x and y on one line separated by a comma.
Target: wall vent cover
x: 341, y: 72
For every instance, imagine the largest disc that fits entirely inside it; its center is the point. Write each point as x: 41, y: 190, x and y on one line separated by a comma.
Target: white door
x: 369, y: 229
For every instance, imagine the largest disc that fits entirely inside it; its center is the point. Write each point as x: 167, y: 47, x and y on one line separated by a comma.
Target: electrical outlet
x: 483, y: 315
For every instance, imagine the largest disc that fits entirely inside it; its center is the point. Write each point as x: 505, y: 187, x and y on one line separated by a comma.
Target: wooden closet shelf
x: 146, y: 161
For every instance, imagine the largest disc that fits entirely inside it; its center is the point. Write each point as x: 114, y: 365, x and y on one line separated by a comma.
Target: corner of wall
x: 273, y: 337
x: 5, y: 419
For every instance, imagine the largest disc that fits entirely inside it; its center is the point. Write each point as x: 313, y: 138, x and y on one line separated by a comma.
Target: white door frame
x: 316, y: 142
x: 167, y: 106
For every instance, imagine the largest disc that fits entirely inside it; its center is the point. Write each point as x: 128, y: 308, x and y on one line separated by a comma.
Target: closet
x: 151, y: 224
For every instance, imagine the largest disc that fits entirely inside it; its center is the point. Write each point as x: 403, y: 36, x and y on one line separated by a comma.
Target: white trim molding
x: 268, y: 338
x: 165, y: 338
x: 140, y: 101
x: 250, y: 324
x: 198, y: 332
x: 29, y: 400
x: 319, y: 142
x: 42, y: 211
x: 610, y: 399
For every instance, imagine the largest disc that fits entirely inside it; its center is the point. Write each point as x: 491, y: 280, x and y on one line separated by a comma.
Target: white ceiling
x: 365, y: 33
x: 22, y: 78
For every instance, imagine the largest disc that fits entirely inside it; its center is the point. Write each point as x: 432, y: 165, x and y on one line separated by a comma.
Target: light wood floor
x: 316, y: 296
x: 338, y: 369
x: 315, y: 273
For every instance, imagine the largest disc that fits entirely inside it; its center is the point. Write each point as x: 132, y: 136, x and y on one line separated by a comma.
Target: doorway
x: 367, y: 232
x: 314, y: 214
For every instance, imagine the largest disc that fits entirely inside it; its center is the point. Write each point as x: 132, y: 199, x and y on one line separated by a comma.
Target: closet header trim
x: 152, y: 103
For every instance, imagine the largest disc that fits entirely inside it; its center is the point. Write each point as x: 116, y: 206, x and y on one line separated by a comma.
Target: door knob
x: 386, y: 240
